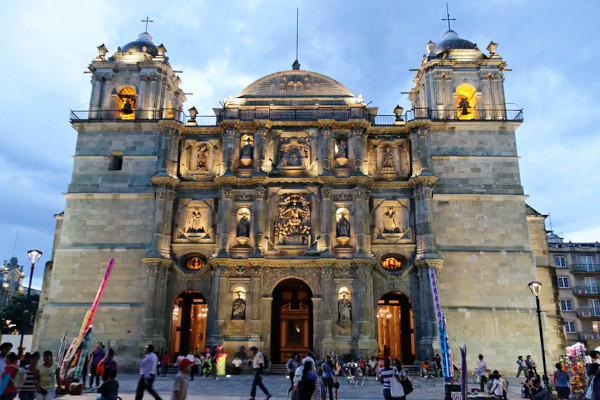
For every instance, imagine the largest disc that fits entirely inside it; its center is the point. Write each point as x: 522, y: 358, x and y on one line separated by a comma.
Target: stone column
x: 259, y: 221
x: 142, y: 100
x: 95, y: 98
x: 423, y: 194
x: 226, y: 197
x: 326, y: 147
x: 421, y: 156
x: 259, y: 140
x: 361, y: 219
x: 106, y: 106
x: 228, y: 144
x: 253, y: 302
x: 424, y: 312
x: 317, y: 324
x: 216, y: 310
x: 152, y: 97
x: 155, y: 322
x: 326, y: 215
x: 327, y: 314
x: 359, y: 139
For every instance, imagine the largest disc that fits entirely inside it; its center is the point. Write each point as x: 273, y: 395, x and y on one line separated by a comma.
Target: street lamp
x: 34, y: 256
x: 536, y: 289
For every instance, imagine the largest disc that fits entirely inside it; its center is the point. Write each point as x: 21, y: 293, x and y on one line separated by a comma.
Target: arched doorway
x: 291, y: 319
x: 188, y: 323
x: 396, y: 327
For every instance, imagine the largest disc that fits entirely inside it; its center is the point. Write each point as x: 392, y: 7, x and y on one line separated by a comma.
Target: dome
x: 294, y: 84
x: 450, y: 41
x: 142, y: 44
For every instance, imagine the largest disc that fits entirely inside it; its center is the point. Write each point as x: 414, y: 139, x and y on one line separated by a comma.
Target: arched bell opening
x: 291, y: 319
x: 126, y: 100
x: 188, y: 323
x: 465, y: 101
x: 395, y: 324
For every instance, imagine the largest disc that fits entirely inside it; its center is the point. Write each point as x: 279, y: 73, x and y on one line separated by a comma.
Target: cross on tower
x: 149, y: 20
x: 448, y: 17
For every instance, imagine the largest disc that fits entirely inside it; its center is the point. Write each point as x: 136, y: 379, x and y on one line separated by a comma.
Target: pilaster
x: 224, y: 216
x: 361, y: 206
x: 155, y: 318
x: 424, y: 313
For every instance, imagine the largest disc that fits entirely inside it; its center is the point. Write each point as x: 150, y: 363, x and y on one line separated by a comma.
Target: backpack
x: 19, y: 378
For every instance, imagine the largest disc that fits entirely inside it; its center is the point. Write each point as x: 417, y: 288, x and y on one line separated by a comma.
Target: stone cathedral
x: 297, y: 217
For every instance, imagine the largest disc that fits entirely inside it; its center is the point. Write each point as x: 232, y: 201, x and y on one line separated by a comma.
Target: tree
x: 14, y: 312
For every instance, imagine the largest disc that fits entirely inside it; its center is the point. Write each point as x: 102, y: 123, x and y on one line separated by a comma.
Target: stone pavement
x: 238, y: 388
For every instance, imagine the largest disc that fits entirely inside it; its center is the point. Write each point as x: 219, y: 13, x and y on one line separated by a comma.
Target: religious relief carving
x: 341, y: 151
x: 196, y: 158
x: 293, y: 224
x: 297, y: 83
x: 294, y: 155
x: 344, y: 305
x: 194, y: 222
x: 387, y: 159
x: 392, y: 220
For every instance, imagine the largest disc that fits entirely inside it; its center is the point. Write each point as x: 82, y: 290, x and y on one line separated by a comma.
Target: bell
x: 464, y: 111
x: 127, y: 108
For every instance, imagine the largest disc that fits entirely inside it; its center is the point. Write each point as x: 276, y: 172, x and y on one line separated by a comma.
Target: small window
x: 563, y: 282
x: 560, y: 261
x: 116, y: 162
x: 566, y: 305
x: 570, y: 326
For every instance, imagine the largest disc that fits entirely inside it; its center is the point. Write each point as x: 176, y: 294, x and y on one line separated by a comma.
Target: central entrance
x: 188, y: 324
x: 291, y: 319
x: 396, y: 327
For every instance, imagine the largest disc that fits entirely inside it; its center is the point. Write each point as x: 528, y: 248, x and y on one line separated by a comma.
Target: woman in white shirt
x: 497, y: 385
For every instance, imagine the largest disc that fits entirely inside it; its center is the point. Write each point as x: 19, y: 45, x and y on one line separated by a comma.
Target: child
x: 181, y: 380
x: 110, y: 388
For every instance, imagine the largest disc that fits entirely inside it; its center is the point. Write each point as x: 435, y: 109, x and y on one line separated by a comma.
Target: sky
x: 369, y: 46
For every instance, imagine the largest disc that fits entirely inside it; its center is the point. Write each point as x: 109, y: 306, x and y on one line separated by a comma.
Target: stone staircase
x: 277, y: 369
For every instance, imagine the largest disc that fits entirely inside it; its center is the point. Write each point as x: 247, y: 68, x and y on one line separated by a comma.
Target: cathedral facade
x: 297, y: 217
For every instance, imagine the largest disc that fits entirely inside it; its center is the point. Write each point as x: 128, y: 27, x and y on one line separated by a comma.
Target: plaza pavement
x: 238, y: 388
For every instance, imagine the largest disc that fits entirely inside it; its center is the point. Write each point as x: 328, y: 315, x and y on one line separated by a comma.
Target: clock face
x: 195, y: 263
x: 391, y: 264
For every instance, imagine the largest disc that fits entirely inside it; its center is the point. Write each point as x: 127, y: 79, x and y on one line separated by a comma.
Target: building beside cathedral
x: 298, y: 217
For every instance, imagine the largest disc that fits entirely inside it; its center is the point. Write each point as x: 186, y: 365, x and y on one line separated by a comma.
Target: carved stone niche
x: 246, y: 156
x: 194, y: 222
x: 292, y: 229
x: 197, y: 159
x: 391, y: 159
x: 293, y: 155
x: 392, y: 221
x: 341, y: 156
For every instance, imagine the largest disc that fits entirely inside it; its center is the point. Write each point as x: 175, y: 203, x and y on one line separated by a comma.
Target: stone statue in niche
x: 390, y: 223
x: 294, y: 152
x: 238, y: 312
x: 342, y: 228
x: 344, y: 309
x: 341, y: 157
x: 197, y: 157
x: 293, y: 225
x: 388, y: 159
x: 243, y: 227
x: 247, y: 153
x: 195, y: 221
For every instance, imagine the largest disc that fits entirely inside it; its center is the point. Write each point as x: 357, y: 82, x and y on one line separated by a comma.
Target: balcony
x: 585, y: 291
x: 589, y: 335
x: 298, y: 114
x: 582, y: 268
x: 588, y: 312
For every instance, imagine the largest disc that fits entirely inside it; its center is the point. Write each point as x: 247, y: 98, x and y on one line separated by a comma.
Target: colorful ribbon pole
x: 446, y: 354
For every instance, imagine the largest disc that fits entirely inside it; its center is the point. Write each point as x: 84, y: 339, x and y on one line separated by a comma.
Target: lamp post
x: 34, y: 256
x: 536, y: 288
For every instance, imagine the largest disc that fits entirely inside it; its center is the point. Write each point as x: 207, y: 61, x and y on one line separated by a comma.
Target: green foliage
x: 14, y: 312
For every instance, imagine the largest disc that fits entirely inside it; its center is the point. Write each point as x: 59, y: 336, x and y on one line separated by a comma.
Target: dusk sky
x: 368, y: 46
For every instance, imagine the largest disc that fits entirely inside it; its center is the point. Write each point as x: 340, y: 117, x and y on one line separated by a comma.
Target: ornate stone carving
x: 326, y: 192
x: 194, y: 222
x: 196, y: 159
x: 238, y: 311
x: 360, y: 192
x: 392, y: 220
x: 226, y: 192
x: 342, y: 226
x: 260, y: 191
x: 293, y: 224
x: 387, y: 159
x: 294, y: 154
x: 247, y: 149
x: 308, y: 275
x: 242, y: 230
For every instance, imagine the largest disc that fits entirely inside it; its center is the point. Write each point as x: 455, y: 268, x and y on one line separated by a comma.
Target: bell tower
x: 136, y: 82
x: 457, y: 81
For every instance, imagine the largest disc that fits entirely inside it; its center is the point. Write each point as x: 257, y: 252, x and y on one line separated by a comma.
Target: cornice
x: 292, y: 262
x: 415, y: 181
x: 165, y: 180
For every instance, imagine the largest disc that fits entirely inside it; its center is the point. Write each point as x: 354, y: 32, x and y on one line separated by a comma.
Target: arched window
x: 126, y: 103
x: 465, y: 101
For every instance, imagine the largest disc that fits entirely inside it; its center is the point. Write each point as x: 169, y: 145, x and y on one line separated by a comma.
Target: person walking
x: 522, y: 366
x: 561, y: 381
x: 291, y: 366
x: 531, y: 364
x: 97, y: 356
x: 258, y: 363
x: 47, y: 378
x: 147, y: 374
x: 482, y: 371
x: 328, y: 369
x: 387, y: 373
x: 27, y: 391
x: 8, y: 389
x: 309, y: 387
x: 164, y: 364
x: 180, y: 386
